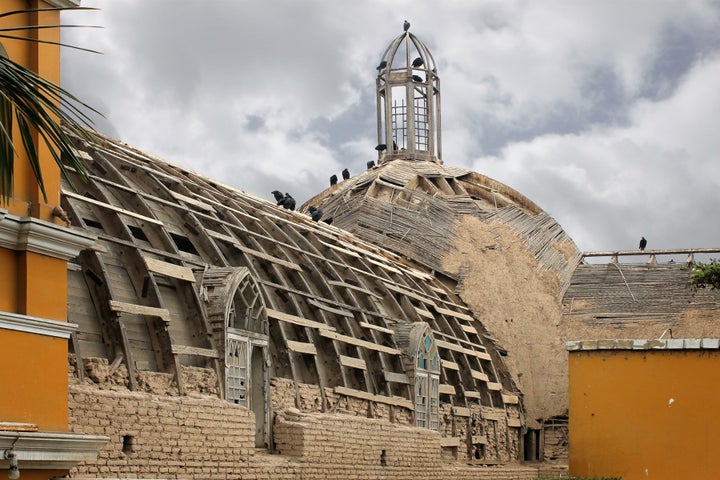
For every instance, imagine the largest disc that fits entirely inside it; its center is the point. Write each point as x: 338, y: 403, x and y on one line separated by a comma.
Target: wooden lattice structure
x: 184, y: 266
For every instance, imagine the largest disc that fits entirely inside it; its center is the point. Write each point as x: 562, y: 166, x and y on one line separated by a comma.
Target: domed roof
x: 500, y: 252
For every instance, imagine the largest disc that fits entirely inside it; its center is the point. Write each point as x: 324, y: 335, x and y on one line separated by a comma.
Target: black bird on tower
x: 643, y: 243
x: 333, y: 180
x: 279, y: 197
x: 418, y: 62
x: 346, y: 174
x: 288, y: 202
x: 382, y: 65
x: 315, y: 213
x: 406, y: 26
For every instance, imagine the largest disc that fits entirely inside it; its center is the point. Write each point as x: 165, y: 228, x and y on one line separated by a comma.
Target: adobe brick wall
x: 191, y: 436
x: 204, y: 437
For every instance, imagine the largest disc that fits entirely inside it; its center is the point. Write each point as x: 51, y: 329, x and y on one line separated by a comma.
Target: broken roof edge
x: 644, y: 344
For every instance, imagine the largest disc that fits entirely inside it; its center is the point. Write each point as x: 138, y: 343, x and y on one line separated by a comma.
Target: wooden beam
x: 286, y: 317
x: 396, y: 378
x: 396, y: 401
x: 446, y: 389
x: 328, y: 308
x: 452, y: 313
x: 265, y: 256
x: 494, y: 386
x: 450, y: 442
x: 479, y: 375
x: 510, y: 398
x: 353, y: 287
x: 119, y: 210
x: 359, y: 343
x: 196, y: 203
x: 301, y: 347
x: 353, y: 362
x: 133, y: 309
x: 377, y: 327
x: 169, y: 269
x: 471, y: 394
x: 478, y: 439
x: 461, y: 411
x: 449, y: 364
x: 200, y: 352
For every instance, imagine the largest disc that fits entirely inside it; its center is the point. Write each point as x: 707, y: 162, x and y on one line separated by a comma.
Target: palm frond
x: 40, y: 109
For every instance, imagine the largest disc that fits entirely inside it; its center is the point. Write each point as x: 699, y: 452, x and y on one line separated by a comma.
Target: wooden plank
x: 471, y: 394
x: 468, y: 328
x: 449, y: 442
x: 479, y: 375
x: 265, y: 256
x: 397, y: 401
x: 482, y: 355
x: 286, y: 317
x: 494, y: 386
x: 510, y: 398
x: 424, y: 313
x: 377, y: 327
x: 169, y: 269
x: 359, y: 343
x: 133, y: 309
x: 384, y: 265
x: 408, y: 293
x: 461, y: 316
x: 446, y: 389
x: 478, y: 439
x: 192, y: 201
x: 328, y: 308
x: 514, y: 422
x: 111, y: 207
x: 200, y: 352
x: 341, y: 250
x: 301, y: 347
x: 396, y: 378
x: 461, y: 411
x: 449, y: 364
x: 353, y: 362
x: 353, y: 287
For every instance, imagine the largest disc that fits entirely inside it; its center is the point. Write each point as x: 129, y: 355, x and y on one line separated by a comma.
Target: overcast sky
x: 604, y: 113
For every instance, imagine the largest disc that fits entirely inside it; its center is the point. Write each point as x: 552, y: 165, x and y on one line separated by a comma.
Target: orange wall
x: 34, y: 380
x: 649, y: 414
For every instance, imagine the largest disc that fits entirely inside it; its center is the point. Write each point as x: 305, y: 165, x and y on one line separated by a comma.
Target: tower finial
x: 406, y: 26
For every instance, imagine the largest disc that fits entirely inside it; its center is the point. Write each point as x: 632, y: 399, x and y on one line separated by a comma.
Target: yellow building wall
x: 33, y: 377
x: 647, y: 414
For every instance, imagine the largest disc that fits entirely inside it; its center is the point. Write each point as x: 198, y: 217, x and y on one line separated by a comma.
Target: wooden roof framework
x: 332, y: 300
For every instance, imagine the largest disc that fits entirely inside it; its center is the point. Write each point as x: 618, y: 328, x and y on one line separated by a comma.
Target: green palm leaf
x: 41, y: 109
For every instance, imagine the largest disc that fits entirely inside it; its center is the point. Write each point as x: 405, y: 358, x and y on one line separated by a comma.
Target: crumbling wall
x: 519, y: 304
x: 157, y: 436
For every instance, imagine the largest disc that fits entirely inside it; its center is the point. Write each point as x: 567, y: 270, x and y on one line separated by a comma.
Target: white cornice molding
x: 50, y: 450
x: 36, y: 325
x: 63, y: 3
x: 38, y: 236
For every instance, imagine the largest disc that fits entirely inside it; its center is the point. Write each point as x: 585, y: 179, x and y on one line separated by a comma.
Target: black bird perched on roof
x: 315, y: 213
x: 328, y: 220
x: 382, y: 147
x: 279, y: 197
x: 288, y: 202
x: 345, y: 174
x: 370, y: 164
x: 382, y: 65
x: 643, y: 243
x: 406, y: 26
x: 417, y: 78
x: 333, y: 180
x: 418, y: 62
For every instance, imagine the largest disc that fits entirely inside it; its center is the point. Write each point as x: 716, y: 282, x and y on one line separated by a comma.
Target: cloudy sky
x: 605, y: 113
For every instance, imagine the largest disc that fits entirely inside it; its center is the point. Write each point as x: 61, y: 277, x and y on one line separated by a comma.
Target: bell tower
x: 408, y: 102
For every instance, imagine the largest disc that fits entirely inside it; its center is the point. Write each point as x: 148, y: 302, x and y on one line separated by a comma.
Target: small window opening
x: 383, y: 459
x: 184, y: 244
x: 128, y: 444
x: 93, y: 224
x: 138, y: 233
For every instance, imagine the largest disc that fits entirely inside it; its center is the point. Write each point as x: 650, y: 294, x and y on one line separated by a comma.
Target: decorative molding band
x: 38, y: 236
x: 63, y: 3
x: 50, y: 450
x: 39, y: 326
